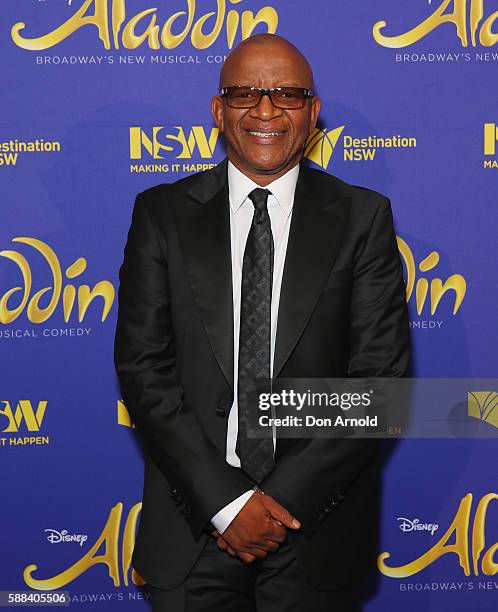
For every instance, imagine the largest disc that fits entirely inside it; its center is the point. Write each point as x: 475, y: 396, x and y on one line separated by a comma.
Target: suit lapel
x: 205, y: 235
x: 317, y: 226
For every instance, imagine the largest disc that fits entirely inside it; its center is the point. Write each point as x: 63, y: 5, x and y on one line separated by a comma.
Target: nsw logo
x: 176, y: 141
x: 23, y: 412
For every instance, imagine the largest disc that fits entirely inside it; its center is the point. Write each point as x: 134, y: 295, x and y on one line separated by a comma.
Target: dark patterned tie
x: 256, y: 454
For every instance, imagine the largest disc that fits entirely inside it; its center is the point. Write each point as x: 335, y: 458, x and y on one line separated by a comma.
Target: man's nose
x: 265, y: 109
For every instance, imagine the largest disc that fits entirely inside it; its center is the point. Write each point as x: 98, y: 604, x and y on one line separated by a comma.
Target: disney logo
x: 55, y: 537
x: 416, y: 525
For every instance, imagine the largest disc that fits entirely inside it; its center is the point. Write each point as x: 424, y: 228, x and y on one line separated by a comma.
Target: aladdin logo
x: 466, y: 15
x: 56, y: 537
x: 24, y: 412
x: 124, y: 416
x: 81, y: 295
x: 461, y: 531
x: 425, y: 291
x: 116, y: 29
x: 416, y: 525
x: 483, y: 405
x: 110, y: 557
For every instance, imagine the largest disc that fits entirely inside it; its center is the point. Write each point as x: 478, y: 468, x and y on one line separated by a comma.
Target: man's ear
x: 217, y: 110
x: 315, y: 111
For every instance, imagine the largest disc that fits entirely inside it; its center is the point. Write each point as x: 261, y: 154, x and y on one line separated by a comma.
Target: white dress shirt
x: 280, y: 203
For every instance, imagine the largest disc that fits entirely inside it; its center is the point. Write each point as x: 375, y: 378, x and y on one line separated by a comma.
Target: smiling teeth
x: 264, y: 134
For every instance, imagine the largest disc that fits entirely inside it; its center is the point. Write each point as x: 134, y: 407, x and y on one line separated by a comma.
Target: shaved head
x: 268, y: 46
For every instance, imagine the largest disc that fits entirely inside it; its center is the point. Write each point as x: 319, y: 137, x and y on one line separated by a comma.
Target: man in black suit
x: 259, y: 267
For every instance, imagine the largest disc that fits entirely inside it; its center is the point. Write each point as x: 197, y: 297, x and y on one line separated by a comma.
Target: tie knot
x: 259, y: 197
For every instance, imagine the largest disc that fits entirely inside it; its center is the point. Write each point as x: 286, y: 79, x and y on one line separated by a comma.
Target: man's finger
x: 222, y: 545
x: 275, y: 532
x: 260, y: 553
x: 225, y: 547
x: 279, y: 513
x: 247, y: 557
x: 271, y: 545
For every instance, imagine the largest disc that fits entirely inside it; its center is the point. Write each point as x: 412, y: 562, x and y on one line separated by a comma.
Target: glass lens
x: 288, y: 97
x: 243, y: 97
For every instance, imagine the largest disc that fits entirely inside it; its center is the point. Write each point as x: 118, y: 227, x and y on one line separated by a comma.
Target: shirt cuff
x: 222, y: 519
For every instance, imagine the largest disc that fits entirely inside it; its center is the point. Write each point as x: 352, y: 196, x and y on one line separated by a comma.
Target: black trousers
x: 221, y: 583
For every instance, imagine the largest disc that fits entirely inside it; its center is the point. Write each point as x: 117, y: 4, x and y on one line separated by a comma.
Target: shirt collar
x: 240, y: 186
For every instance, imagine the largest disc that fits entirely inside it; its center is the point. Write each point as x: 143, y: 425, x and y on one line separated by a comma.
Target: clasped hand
x: 259, y: 528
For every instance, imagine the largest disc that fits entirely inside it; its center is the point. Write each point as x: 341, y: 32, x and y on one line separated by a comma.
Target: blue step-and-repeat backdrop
x: 103, y: 98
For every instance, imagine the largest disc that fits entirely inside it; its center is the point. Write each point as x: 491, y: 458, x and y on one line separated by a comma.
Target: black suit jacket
x: 342, y: 313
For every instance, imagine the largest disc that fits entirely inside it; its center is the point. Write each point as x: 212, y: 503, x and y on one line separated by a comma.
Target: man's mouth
x: 265, y: 134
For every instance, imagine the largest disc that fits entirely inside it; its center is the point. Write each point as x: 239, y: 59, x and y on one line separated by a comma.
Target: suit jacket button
x: 222, y: 409
x: 176, y: 495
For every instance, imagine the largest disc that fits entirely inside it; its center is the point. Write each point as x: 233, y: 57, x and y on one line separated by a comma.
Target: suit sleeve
x: 315, y: 471
x: 144, y: 358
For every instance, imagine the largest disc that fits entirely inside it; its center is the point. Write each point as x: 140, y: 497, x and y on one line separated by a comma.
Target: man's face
x: 265, y: 141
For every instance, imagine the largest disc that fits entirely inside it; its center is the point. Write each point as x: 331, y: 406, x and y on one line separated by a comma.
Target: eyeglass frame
x: 266, y: 91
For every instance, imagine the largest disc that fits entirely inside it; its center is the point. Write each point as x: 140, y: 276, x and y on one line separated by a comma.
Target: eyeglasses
x: 246, y: 96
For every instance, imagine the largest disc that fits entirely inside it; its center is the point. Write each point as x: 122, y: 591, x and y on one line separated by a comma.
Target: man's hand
x: 257, y: 529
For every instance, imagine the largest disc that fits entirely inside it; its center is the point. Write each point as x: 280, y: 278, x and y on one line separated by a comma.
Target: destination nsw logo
x: 475, y: 27
x: 322, y: 144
